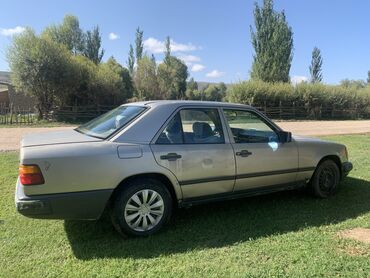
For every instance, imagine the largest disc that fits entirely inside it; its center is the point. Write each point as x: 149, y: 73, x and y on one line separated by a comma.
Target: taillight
x: 30, y: 175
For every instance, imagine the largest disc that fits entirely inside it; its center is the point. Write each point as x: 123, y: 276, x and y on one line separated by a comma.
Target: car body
x: 199, y: 151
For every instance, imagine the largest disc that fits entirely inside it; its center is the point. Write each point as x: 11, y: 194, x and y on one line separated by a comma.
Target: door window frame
x: 259, y: 115
x: 225, y: 129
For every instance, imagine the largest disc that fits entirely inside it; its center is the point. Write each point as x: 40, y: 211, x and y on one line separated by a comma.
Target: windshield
x: 106, y: 124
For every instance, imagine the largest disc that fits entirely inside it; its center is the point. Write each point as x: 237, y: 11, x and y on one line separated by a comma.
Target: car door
x: 193, y: 146
x: 261, y: 160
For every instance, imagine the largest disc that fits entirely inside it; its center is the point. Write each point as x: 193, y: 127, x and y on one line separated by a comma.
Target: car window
x: 248, y: 127
x: 108, y: 123
x: 193, y: 126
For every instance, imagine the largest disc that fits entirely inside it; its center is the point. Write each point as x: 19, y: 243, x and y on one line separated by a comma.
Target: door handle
x: 243, y: 153
x: 170, y: 156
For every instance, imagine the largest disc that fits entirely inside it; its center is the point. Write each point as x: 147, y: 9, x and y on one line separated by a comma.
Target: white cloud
x: 113, y: 36
x: 197, y: 67
x: 215, y: 74
x: 298, y: 79
x: 12, y: 31
x: 154, y: 45
x: 189, y: 59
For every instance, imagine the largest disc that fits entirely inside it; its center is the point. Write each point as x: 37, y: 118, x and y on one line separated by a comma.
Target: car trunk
x: 56, y: 137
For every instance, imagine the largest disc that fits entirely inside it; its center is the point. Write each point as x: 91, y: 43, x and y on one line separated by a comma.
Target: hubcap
x: 327, y: 179
x: 144, y: 210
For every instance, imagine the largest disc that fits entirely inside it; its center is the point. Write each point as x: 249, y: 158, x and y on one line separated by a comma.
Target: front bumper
x: 87, y: 205
x: 346, y: 168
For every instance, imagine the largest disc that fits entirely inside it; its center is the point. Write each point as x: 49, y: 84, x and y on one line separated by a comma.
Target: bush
x: 313, y: 100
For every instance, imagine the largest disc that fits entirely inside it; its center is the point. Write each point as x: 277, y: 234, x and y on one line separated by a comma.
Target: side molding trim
x: 245, y: 176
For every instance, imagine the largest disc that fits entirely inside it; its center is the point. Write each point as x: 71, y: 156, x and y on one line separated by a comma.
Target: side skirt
x: 241, y: 194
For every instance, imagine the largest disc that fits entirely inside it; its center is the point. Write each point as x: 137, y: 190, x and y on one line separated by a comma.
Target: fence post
x: 11, y: 113
x: 280, y: 110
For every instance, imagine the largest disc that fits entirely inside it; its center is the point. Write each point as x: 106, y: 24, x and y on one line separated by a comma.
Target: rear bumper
x: 75, y: 205
x: 346, y: 168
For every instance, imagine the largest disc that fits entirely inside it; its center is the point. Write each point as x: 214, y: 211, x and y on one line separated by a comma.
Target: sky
x: 212, y: 37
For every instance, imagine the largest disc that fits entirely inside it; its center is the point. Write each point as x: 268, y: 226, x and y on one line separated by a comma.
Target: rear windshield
x: 108, y: 123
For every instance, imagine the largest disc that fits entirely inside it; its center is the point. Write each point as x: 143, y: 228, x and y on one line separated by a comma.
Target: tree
x: 222, y: 90
x: 273, y: 44
x: 139, y: 44
x: 356, y: 84
x: 68, y: 33
x: 125, y: 85
x: 41, y: 68
x: 315, y: 67
x: 172, y: 75
x: 368, y: 77
x: 145, y: 79
x: 167, y: 52
x: 191, y: 88
x: 92, y: 48
x: 131, y: 60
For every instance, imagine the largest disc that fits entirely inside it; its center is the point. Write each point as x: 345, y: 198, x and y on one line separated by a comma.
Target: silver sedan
x: 142, y: 159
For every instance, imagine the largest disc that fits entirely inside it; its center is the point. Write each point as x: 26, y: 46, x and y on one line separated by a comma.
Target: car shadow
x: 222, y: 224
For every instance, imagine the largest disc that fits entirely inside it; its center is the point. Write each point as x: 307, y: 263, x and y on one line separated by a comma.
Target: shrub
x: 313, y: 100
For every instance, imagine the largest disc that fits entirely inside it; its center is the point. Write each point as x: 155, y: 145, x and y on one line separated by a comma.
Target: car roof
x: 178, y: 103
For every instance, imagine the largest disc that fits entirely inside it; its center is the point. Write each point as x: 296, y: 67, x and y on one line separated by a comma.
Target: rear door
x: 261, y: 160
x: 193, y: 146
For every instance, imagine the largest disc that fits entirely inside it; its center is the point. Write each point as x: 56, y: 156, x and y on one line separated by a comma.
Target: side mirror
x: 285, y: 136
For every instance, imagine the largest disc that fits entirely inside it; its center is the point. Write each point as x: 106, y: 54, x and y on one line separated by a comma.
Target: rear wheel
x: 325, y: 180
x: 142, y: 208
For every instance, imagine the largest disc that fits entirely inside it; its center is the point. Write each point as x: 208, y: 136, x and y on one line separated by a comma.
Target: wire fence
x: 78, y: 114
x: 319, y: 112
x: 15, y: 115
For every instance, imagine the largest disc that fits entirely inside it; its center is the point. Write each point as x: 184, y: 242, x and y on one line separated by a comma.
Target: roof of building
x: 5, y: 77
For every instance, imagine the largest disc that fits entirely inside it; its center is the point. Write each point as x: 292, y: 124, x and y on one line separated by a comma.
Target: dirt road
x: 10, y: 137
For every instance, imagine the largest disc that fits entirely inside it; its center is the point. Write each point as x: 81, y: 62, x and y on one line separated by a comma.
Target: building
x: 9, y: 96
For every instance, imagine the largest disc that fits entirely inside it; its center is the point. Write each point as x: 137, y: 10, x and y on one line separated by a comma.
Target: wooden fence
x: 80, y: 114
x: 15, y: 115
x: 300, y: 112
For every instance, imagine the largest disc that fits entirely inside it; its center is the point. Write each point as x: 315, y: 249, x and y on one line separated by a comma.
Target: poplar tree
x: 272, y: 40
x: 315, y: 67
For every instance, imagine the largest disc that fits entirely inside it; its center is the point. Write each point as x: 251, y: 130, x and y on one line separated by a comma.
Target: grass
x: 284, y: 234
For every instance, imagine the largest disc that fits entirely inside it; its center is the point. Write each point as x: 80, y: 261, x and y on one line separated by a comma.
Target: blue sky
x: 213, y: 37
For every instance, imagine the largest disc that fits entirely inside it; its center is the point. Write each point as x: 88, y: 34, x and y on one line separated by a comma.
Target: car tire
x: 141, y: 208
x: 325, y: 180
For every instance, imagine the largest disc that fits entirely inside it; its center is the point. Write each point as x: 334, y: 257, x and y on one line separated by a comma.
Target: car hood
x: 300, y: 138
x: 56, y: 137
x: 316, y: 141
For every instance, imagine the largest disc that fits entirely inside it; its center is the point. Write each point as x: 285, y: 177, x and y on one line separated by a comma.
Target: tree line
x: 63, y: 66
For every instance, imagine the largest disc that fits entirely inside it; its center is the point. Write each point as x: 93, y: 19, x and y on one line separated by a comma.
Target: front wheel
x: 142, y: 208
x: 325, y: 180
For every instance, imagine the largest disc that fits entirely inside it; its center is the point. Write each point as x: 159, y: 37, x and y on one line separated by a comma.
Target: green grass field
x: 284, y: 234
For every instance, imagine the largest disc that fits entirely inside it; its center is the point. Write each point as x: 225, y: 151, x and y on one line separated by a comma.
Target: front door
x: 193, y: 146
x: 261, y: 160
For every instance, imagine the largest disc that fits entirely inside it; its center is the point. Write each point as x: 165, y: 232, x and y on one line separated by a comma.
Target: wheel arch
x: 334, y: 158
x: 176, y: 196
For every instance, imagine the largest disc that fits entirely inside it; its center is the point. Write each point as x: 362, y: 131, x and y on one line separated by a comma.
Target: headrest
x: 202, y: 130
